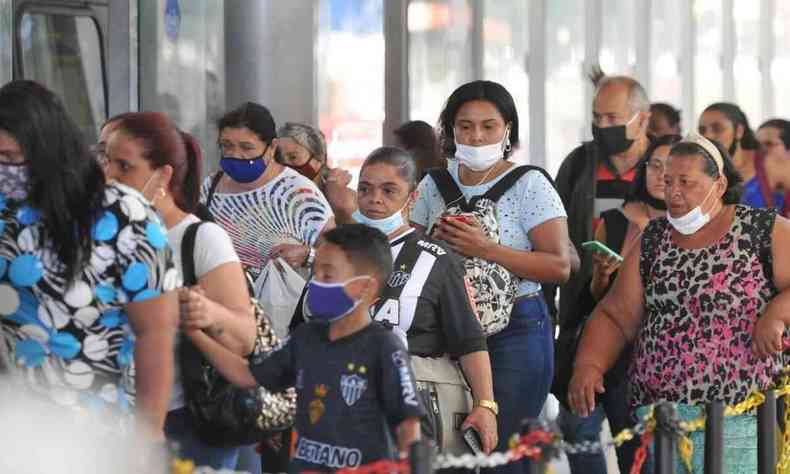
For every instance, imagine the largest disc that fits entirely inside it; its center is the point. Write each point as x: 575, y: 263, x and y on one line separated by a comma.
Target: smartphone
x: 598, y: 247
x: 472, y: 439
x: 465, y: 218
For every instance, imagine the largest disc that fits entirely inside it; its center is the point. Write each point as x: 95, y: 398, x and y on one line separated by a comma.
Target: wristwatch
x: 310, y: 258
x: 490, y: 404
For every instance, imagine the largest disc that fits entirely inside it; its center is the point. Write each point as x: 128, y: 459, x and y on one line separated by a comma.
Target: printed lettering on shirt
x: 401, y: 361
x: 431, y: 247
x: 389, y: 313
x: 336, y: 457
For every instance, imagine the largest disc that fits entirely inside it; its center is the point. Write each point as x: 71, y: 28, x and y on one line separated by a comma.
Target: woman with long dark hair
x: 84, y: 266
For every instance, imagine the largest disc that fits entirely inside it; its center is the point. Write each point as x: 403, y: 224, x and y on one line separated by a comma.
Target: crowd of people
x: 431, y: 291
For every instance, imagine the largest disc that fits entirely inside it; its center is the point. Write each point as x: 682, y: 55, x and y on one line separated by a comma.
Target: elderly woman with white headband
x: 705, y: 298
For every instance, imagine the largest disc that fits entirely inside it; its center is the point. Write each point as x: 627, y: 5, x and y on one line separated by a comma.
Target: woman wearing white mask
x: 479, y: 127
x: 705, y: 299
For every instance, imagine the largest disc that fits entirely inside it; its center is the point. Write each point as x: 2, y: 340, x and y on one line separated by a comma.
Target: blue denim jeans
x: 612, y: 405
x: 522, y: 361
x: 179, y: 430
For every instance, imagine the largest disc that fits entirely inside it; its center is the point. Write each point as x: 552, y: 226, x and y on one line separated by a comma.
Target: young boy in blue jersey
x: 357, y: 400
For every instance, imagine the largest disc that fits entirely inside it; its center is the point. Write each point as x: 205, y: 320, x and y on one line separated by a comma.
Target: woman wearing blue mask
x: 703, y: 297
x: 479, y: 128
x: 427, y: 303
x: 268, y: 209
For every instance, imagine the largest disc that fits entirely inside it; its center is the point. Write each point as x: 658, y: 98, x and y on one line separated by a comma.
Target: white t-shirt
x: 527, y: 204
x: 213, y: 248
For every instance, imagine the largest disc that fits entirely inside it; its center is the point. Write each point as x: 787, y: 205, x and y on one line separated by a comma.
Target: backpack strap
x: 448, y: 188
x: 213, y: 187
x: 510, y: 179
x: 188, y: 254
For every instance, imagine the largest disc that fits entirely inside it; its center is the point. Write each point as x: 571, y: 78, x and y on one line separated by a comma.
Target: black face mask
x: 611, y: 140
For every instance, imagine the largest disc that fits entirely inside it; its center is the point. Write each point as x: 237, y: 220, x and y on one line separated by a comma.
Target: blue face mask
x: 329, y: 302
x: 241, y: 170
x: 387, y: 225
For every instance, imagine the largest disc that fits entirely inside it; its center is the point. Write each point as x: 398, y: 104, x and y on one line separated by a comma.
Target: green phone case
x: 595, y: 246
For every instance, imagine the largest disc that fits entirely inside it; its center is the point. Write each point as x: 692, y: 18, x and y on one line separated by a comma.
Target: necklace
x: 488, y: 173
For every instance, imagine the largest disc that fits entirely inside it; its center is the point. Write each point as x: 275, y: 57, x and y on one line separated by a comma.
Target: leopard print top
x: 701, y: 306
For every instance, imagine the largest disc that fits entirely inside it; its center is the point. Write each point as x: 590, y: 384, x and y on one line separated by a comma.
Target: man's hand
x: 484, y: 421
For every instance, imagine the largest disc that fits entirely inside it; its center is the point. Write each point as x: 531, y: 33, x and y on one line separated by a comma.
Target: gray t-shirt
x: 351, y: 394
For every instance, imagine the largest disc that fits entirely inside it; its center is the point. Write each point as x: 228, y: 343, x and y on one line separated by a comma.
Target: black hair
x: 736, y: 117
x: 420, y: 140
x: 253, y: 116
x: 734, y: 180
x: 398, y: 158
x: 366, y: 248
x: 638, y: 191
x: 784, y: 129
x: 66, y: 184
x: 672, y: 114
x: 488, y: 91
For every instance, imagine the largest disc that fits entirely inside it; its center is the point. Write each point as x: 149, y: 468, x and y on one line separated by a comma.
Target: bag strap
x: 213, y: 187
x: 448, y: 188
x: 188, y: 254
x: 510, y: 179
x: 407, y: 258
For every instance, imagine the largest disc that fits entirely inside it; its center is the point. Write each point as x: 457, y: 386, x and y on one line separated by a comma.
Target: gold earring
x: 162, y: 192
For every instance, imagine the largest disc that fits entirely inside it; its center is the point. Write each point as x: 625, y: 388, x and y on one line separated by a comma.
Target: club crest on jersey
x: 398, y: 278
x: 352, y: 387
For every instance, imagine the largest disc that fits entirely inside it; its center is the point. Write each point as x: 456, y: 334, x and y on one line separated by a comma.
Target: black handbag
x: 221, y: 413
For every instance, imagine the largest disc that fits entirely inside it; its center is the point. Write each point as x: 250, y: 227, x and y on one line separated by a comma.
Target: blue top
x: 529, y: 203
x: 753, y: 196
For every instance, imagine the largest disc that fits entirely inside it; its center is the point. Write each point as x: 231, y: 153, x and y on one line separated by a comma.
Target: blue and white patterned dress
x: 72, y: 342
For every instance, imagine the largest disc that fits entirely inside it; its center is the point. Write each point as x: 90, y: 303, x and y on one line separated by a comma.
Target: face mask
x: 613, y: 140
x: 152, y: 200
x: 242, y: 170
x: 307, y: 170
x: 14, y: 180
x: 329, y: 302
x: 693, y: 221
x: 387, y: 225
x: 481, y: 158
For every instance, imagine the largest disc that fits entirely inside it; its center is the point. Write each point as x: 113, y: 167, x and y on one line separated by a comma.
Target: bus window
x: 63, y: 52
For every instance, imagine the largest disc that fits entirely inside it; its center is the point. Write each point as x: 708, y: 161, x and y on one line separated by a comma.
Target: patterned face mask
x: 14, y: 180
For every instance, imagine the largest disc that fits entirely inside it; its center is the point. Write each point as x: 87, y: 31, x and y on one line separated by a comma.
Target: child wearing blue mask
x: 353, y: 377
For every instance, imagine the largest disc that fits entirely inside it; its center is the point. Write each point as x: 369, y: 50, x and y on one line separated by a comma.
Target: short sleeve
x: 398, y: 389
x: 129, y: 229
x: 421, y: 209
x: 213, y: 248
x: 539, y: 201
x: 460, y: 324
x: 276, y: 370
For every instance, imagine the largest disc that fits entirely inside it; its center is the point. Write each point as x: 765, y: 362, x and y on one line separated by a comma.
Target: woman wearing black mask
x: 268, y: 209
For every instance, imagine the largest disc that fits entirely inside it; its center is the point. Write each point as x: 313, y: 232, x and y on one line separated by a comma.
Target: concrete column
x: 270, y: 57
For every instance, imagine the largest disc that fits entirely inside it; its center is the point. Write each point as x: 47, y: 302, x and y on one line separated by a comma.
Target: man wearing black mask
x: 594, y: 178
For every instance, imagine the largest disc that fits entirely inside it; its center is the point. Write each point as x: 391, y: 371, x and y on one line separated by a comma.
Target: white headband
x: 708, y: 146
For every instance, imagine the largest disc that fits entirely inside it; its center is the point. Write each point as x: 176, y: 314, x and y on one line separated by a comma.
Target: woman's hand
x: 464, y: 236
x: 603, y: 268
x: 587, y: 381
x: 767, y: 338
x: 196, y: 309
x: 294, y: 255
x: 341, y: 198
x: 484, y: 421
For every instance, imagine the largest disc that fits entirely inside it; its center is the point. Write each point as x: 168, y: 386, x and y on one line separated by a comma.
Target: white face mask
x: 692, y: 221
x: 481, y: 158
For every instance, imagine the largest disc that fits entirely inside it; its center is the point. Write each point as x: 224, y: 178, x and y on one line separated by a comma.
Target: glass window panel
x: 780, y: 68
x: 63, y: 52
x: 182, y: 67
x: 708, y: 87
x: 666, y: 37
x: 565, y: 120
x: 505, y: 42
x: 351, y: 86
x: 618, y: 37
x: 748, y: 82
x: 439, y: 54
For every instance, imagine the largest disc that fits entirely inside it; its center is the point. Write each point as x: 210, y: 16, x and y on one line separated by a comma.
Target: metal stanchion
x: 714, y: 438
x: 766, y: 434
x: 421, y: 457
x: 666, y: 423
